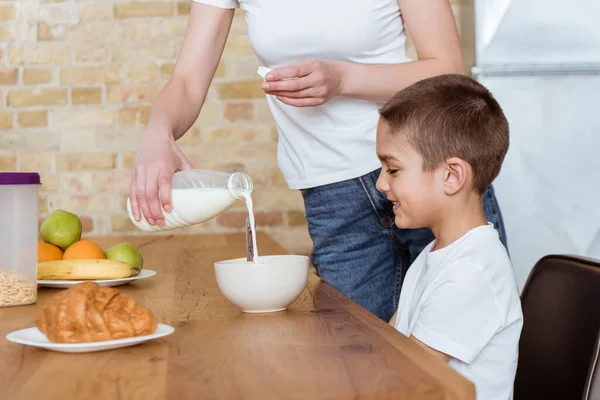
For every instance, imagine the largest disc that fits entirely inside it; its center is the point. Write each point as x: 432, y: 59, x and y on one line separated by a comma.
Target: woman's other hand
x: 304, y: 84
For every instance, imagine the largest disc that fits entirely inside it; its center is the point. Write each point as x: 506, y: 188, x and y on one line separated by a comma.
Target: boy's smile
x: 411, y: 190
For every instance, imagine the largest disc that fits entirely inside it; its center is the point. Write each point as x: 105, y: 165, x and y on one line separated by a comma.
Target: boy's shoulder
x: 477, y: 258
x: 479, y: 264
x: 479, y: 248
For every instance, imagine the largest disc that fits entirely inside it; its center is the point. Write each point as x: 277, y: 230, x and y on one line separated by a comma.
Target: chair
x: 592, y: 387
x: 561, y: 324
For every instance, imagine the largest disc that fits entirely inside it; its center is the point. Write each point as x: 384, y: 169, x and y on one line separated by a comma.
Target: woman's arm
x: 179, y: 103
x: 433, y: 29
x: 175, y: 110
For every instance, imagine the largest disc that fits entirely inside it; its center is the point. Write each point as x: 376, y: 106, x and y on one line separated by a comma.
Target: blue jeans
x: 357, y: 247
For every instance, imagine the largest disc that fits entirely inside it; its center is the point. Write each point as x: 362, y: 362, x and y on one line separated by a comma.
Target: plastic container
x: 198, y: 195
x: 18, y: 237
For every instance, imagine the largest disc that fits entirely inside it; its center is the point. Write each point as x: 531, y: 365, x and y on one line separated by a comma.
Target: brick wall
x: 77, y: 79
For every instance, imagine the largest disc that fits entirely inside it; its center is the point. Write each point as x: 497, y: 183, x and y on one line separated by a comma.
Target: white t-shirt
x: 335, y: 141
x: 463, y: 300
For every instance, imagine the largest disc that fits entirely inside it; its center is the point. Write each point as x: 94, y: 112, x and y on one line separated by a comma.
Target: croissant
x: 88, y: 312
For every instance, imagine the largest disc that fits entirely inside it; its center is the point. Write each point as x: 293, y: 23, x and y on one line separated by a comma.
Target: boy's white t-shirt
x: 335, y: 141
x: 463, y: 300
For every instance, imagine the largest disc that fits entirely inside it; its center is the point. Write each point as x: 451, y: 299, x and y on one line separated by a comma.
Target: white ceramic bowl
x: 270, y: 286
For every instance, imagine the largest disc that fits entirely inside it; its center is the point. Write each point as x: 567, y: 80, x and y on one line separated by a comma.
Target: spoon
x: 249, y: 244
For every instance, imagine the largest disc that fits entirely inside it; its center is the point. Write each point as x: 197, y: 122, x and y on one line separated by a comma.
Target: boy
x: 441, y: 142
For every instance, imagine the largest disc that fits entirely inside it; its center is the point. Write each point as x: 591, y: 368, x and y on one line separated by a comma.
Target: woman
x: 345, y: 59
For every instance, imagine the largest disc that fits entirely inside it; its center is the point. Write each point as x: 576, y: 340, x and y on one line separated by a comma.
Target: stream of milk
x: 247, y: 196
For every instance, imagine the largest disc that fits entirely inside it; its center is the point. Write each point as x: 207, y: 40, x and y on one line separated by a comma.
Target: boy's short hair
x: 451, y: 116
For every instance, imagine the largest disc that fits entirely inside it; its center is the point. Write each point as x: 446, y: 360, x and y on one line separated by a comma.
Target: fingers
x: 292, y: 71
x: 150, y: 191
x: 164, y: 189
x: 152, y: 199
x: 140, y: 194
x: 133, y: 204
x: 165, y: 183
x: 313, y: 80
x: 150, y: 194
x: 318, y: 91
x: 309, y: 89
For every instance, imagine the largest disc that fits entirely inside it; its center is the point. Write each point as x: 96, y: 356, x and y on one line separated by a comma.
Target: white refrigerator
x: 541, y: 60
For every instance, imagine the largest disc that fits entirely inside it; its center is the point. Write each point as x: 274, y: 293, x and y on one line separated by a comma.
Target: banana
x: 83, y: 269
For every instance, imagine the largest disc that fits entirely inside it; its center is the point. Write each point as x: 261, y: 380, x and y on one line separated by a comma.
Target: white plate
x: 34, y: 337
x: 145, y: 273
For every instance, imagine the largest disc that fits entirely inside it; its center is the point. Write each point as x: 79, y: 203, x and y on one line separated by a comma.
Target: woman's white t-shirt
x: 335, y: 141
x: 463, y: 300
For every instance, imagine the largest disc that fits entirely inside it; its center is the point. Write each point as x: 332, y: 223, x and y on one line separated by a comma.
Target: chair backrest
x: 592, y: 387
x: 561, y: 321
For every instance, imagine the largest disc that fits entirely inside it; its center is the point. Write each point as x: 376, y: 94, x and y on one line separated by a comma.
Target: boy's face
x: 416, y: 195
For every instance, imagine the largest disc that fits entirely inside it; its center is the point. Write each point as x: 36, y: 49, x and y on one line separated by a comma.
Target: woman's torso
x: 335, y: 141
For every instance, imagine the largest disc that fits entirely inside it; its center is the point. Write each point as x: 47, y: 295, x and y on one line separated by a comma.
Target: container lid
x: 19, y: 178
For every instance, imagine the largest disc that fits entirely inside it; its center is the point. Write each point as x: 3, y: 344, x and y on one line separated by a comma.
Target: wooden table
x: 323, y: 347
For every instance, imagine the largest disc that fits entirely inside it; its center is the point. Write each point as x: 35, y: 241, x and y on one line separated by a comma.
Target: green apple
x: 128, y: 253
x: 61, y: 228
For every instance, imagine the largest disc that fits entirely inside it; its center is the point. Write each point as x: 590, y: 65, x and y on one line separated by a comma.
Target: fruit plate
x: 145, y: 273
x: 34, y: 337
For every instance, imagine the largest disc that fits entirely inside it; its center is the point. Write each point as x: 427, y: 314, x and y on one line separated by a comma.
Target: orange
x: 83, y: 249
x: 48, y: 252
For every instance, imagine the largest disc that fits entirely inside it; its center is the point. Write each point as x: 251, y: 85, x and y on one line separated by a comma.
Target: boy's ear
x: 456, y: 174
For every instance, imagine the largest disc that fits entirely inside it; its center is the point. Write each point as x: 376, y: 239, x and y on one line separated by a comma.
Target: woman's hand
x: 158, y: 158
x: 304, y: 84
